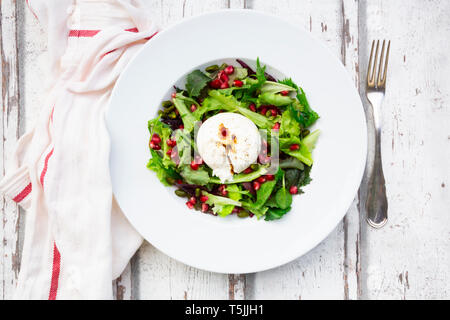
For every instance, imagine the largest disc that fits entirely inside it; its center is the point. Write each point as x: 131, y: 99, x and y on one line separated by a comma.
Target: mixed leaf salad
x: 277, y: 107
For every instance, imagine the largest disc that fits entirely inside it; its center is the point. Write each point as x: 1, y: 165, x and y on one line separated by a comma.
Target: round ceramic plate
x: 234, y: 245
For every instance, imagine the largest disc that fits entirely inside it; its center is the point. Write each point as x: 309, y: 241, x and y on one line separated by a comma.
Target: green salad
x: 224, y: 171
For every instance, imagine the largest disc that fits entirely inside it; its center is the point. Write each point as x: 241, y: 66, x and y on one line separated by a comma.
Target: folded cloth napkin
x: 76, y: 238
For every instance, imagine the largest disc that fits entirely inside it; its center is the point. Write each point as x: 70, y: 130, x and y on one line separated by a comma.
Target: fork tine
x: 383, y: 80
x: 369, y: 75
x: 375, y: 63
x: 380, y: 67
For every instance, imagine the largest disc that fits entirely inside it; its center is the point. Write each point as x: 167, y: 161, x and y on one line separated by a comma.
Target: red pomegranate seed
x: 276, y: 126
x: 193, y: 107
x: 169, y: 152
x: 179, y: 181
x: 263, y: 110
x: 256, y: 185
x: 251, y: 215
x: 293, y: 190
x: 238, y: 83
x: 252, y: 107
x: 294, y: 147
x: 229, y: 70
x: 248, y: 170
x: 190, y: 205
x: 270, y: 177
x: 204, y: 199
x: 181, y: 127
x: 155, y: 146
x: 224, y: 85
x: 262, y: 179
x: 174, y: 95
x: 215, y: 84
x: 236, y: 210
x: 284, y: 93
x: 205, y: 207
x: 194, y: 166
x: 171, y: 143
x: 223, y: 77
x: 273, y: 112
x: 193, y: 200
x: 223, y: 190
x: 224, y: 132
x: 156, y: 139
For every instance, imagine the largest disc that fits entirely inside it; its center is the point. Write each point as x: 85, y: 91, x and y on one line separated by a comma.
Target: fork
x: 376, y: 202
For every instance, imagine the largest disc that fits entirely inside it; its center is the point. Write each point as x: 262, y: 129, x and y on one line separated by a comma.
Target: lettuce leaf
x: 274, y: 99
x: 185, y: 114
x: 217, y: 203
x: 275, y: 87
x: 234, y: 194
x: 198, y: 177
x: 167, y: 176
x: 243, y: 177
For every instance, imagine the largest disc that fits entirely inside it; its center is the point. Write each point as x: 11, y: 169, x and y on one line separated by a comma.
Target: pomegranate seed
x: 229, y: 70
x: 248, y: 170
x: 236, y: 210
x: 204, y: 199
x: 224, y: 132
x: 194, y: 166
x: 193, y: 108
x: 294, y: 147
x: 223, y: 190
x: 205, y: 207
x: 252, y: 107
x: 156, y: 139
x: 263, y: 110
x: 273, y: 112
x: 293, y: 190
x: 224, y: 85
x: 262, y: 179
x: 193, y: 200
x: 223, y: 77
x: 284, y: 93
x: 215, y: 84
x: 190, y: 205
x: 251, y: 215
x: 171, y: 143
x: 276, y: 126
x: 238, y: 83
x: 169, y: 152
x: 179, y: 181
x: 256, y: 185
x: 270, y: 177
x: 155, y: 146
x: 181, y: 127
x: 174, y: 95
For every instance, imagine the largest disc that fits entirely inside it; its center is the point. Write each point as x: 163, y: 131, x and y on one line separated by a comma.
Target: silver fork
x: 376, y: 202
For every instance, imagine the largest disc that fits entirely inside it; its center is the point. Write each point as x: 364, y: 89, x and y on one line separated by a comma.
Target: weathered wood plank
x: 10, y: 256
x: 352, y: 234
x: 409, y: 258
x: 331, y: 269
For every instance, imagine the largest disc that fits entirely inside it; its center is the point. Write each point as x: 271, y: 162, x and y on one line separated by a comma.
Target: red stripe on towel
x: 91, y: 33
x: 44, y: 171
x: 23, y: 194
x: 55, y: 273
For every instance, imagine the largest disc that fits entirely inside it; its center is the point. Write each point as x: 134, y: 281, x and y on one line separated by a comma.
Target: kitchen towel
x: 77, y: 240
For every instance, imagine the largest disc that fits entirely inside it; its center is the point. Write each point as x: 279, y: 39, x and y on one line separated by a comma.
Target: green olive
x: 181, y: 193
x: 167, y: 104
x: 212, y: 68
x: 243, y: 214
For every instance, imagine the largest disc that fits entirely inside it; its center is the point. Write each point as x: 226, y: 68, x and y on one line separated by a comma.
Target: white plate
x: 233, y: 245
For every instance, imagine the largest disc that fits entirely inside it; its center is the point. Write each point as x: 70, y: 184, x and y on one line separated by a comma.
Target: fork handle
x: 376, y: 202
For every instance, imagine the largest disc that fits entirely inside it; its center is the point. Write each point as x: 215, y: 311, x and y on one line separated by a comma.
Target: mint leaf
x: 196, y: 81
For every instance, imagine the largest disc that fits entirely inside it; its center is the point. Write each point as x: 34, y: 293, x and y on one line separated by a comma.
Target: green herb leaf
x: 276, y: 213
x: 195, y: 82
x: 199, y: 177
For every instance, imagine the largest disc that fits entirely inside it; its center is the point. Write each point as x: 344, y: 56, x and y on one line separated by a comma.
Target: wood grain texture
x: 410, y: 257
x: 10, y: 254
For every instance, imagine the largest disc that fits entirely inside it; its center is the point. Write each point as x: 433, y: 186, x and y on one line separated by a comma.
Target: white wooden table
x: 408, y: 259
